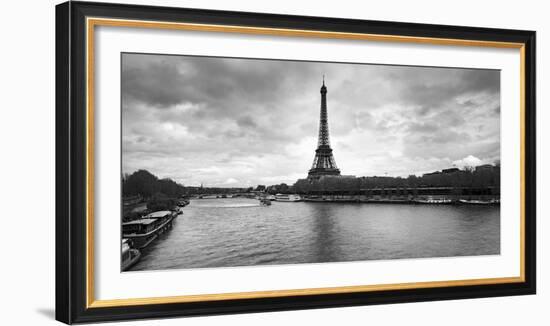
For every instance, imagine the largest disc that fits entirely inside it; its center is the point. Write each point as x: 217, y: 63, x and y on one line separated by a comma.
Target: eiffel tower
x: 323, y: 163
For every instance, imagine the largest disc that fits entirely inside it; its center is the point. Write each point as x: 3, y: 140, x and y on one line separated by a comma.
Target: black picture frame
x: 71, y: 158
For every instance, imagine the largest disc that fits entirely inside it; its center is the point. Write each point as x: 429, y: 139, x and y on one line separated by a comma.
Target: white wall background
x: 27, y: 162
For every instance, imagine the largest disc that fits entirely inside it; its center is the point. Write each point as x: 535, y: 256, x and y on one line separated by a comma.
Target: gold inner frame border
x: 92, y: 22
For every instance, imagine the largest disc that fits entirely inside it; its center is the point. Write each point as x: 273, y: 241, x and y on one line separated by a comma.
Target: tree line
x: 145, y: 184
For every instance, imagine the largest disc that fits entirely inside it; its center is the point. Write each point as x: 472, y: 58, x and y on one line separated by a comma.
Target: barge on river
x: 494, y: 201
x: 130, y: 256
x: 144, y: 231
x: 285, y: 197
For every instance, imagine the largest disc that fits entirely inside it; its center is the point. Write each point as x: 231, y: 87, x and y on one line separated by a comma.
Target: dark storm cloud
x: 231, y: 121
x: 164, y: 81
x: 436, y: 86
x: 246, y: 121
x: 152, y: 84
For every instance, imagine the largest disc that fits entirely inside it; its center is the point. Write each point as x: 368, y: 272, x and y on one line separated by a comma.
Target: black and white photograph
x: 231, y: 162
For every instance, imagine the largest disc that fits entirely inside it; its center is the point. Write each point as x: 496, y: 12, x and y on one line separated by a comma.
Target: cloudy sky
x: 240, y: 122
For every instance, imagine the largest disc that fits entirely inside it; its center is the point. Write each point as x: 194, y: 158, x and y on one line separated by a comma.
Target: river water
x: 239, y: 232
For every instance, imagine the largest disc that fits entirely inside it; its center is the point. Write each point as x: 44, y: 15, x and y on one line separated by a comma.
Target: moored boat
x: 177, y: 211
x: 183, y: 202
x: 433, y: 201
x: 145, y: 230
x: 479, y: 202
x: 129, y: 256
x: 289, y: 198
x: 265, y: 202
x: 314, y: 198
x: 208, y: 197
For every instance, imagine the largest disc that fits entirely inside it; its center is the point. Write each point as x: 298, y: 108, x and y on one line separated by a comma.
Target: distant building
x: 431, y: 173
x: 451, y: 170
x: 485, y: 167
x: 335, y: 177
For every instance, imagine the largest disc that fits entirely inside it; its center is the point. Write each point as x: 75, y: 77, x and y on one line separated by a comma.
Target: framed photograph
x: 212, y: 162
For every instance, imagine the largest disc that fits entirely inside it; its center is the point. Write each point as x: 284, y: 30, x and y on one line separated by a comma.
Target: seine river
x: 239, y: 232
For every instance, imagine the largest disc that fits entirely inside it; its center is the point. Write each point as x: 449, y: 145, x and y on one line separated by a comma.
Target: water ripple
x: 239, y: 232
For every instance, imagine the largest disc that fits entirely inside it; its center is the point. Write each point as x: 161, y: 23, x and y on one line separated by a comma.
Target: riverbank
x: 441, y: 200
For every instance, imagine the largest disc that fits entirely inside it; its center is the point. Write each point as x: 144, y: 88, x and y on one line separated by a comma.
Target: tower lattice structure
x: 323, y: 163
